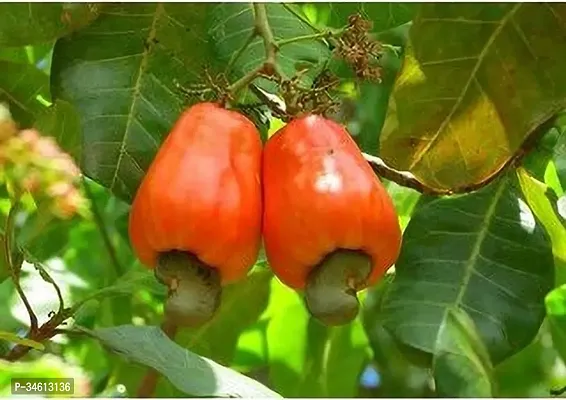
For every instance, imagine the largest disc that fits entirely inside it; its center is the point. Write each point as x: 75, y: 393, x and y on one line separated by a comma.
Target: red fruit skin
x: 320, y: 195
x: 202, y: 193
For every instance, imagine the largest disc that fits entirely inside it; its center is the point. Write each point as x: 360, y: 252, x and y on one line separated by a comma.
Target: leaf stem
x: 102, y: 229
x: 314, y: 36
x: 269, y: 66
x: 15, y: 269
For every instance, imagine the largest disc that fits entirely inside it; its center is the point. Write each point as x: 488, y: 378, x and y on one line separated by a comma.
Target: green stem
x: 102, y: 229
x: 244, y: 81
x: 15, y: 270
x: 314, y: 36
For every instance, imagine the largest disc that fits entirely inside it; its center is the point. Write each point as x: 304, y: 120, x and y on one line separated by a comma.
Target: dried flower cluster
x: 35, y: 164
x: 359, y: 50
x: 316, y: 99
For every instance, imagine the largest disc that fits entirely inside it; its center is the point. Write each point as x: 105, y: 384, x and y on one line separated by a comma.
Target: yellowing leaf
x: 477, y: 80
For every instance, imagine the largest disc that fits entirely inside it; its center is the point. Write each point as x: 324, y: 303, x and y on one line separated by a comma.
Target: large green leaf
x: 19, y: 86
x: 189, y: 372
x: 462, y: 107
x: 232, y: 24
x: 461, y: 364
x: 398, y: 376
x: 120, y: 74
x: 27, y: 23
x: 61, y: 121
x: 484, y: 253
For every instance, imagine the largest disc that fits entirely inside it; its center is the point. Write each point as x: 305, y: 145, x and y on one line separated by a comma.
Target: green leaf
x: 308, y: 359
x: 405, y: 200
x: 62, y: 121
x: 27, y: 23
x: 461, y: 108
x: 232, y: 24
x: 556, y: 311
x: 251, y: 351
x: 242, y: 304
x: 287, y: 343
x: 120, y: 73
x: 42, y: 235
x: 128, y: 284
x: 398, y: 375
x: 461, y: 364
x: 27, y: 54
x: 543, y: 201
x: 189, y: 372
x: 19, y: 86
x: 484, y: 253
x: 383, y: 15
x: 347, y: 353
x: 537, y: 160
x: 559, y: 156
x: 11, y: 337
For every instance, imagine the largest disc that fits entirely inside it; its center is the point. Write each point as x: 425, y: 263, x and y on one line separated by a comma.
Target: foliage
x: 470, y: 100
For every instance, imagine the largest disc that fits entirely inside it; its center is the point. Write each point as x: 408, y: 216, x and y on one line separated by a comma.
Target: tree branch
x: 264, y: 30
x: 407, y: 179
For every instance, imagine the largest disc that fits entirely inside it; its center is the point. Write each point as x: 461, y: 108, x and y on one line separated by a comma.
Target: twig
x: 314, y: 36
x: 15, y: 269
x: 102, y: 228
x: 407, y: 179
x: 149, y: 381
x: 264, y: 30
x: 46, y: 331
x: 47, y: 278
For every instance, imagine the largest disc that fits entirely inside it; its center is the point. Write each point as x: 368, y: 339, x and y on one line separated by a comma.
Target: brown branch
x: 407, y: 179
x: 264, y: 30
x: 149, y: 381
x: 46, y: 331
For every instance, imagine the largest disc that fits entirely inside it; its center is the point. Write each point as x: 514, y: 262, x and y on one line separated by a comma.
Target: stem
x: 314, y: 36
x: 15, y: 270
x: 403, y: 178
x: 46, y: 331
x: 262, y: 28
x: 245, y: 80
x: 46, y: 277
x: 101, y: 227
x: 149, y: 381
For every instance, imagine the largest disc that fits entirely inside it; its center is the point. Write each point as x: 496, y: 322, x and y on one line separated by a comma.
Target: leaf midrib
x: 434, y: 138
x: 159, y: 11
